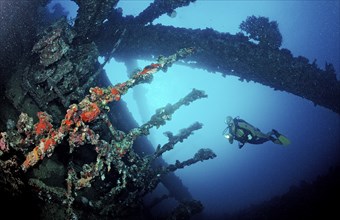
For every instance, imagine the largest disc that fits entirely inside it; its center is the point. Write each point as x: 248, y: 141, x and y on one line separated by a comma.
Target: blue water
x: 237, y: 178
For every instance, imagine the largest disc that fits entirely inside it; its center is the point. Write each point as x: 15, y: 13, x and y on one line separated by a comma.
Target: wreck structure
x: 69, y: 143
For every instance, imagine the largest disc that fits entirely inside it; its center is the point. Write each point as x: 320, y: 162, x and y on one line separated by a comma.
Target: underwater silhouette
x: 240, y: 130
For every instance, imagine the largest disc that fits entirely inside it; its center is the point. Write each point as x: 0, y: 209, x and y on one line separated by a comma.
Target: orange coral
x: 44, y: 125
x: 32, y: 158
x: 152, y: 68
x: 86, y: 111
x: 39, y: 152
x: 90, y: 112
x: 48, y: 143
x: 116, y: 94
x: 69, y: 117
x: 96, y: 90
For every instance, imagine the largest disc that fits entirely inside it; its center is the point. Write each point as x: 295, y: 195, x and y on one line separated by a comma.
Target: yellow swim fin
x: 284, y: 140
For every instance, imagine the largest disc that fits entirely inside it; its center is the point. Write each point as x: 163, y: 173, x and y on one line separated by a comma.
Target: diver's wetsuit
x: 247, y: 136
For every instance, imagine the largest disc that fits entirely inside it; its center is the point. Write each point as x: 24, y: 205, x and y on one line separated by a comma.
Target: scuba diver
x: 240, y: 130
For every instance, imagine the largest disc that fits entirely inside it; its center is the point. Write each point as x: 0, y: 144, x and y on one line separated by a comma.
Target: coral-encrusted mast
x: 88, y: 110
